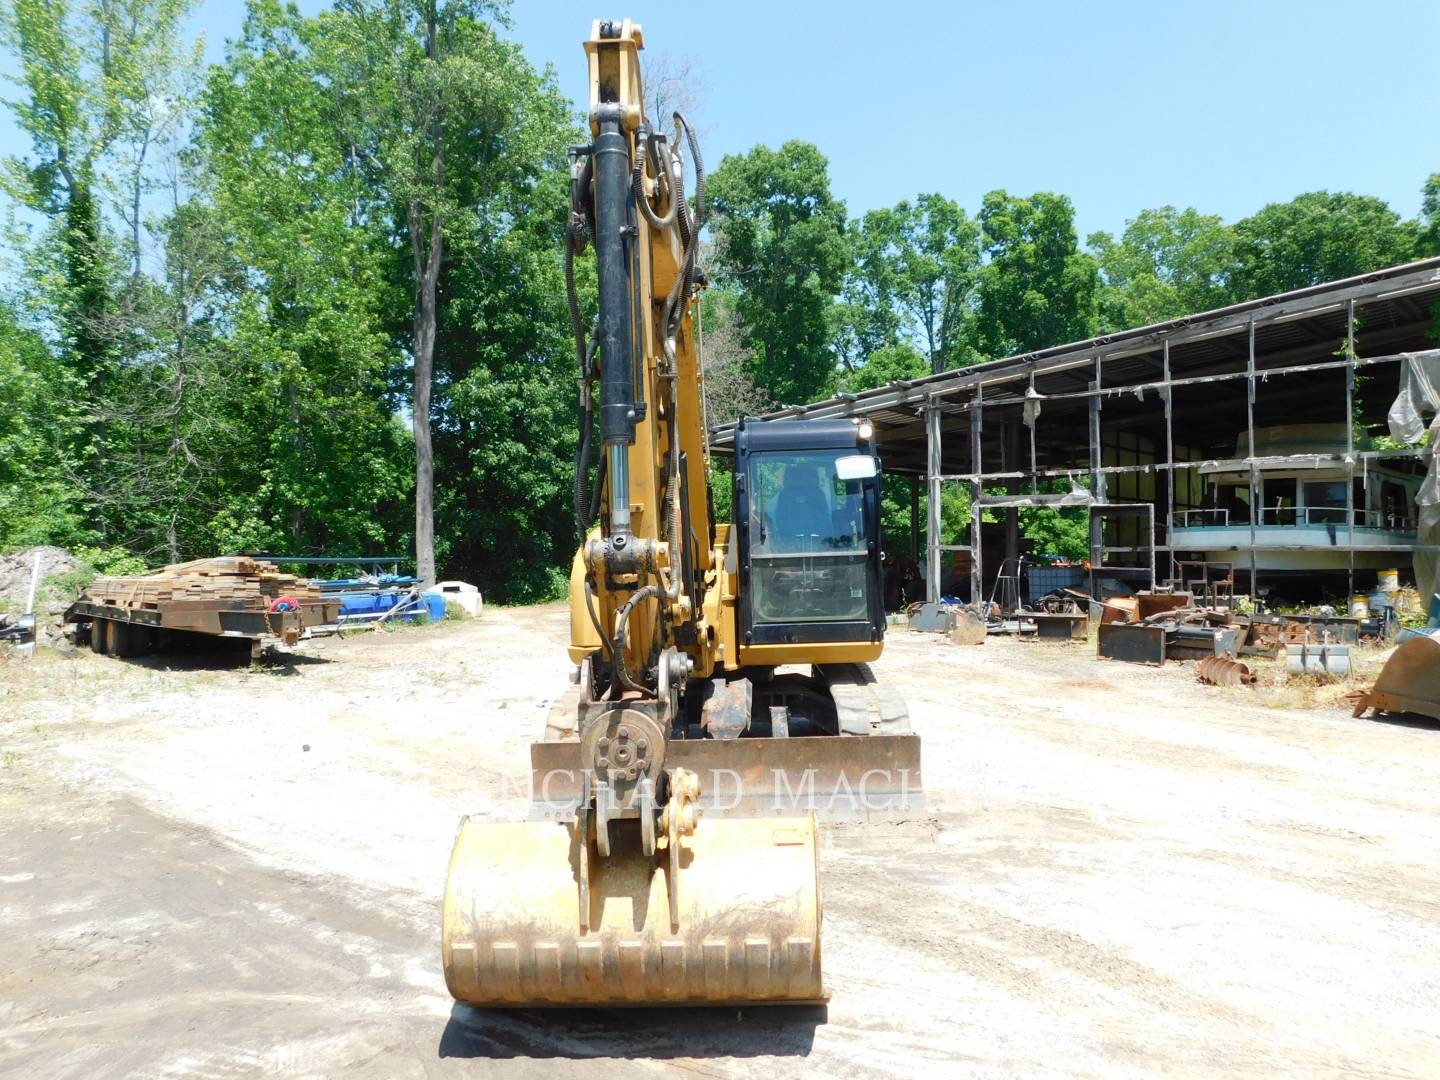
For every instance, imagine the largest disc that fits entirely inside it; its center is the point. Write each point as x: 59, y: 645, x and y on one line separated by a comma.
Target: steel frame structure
x: 927, y: 426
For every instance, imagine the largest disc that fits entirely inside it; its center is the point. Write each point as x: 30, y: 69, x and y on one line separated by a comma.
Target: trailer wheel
x: 122, y: 639
x: 100, y: 636
x: 142, y: 639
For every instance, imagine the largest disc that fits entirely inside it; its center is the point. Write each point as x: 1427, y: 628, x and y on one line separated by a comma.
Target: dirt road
x: 1121, y: 872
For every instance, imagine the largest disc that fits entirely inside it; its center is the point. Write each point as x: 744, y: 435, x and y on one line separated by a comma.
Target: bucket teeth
x: 748, y: 928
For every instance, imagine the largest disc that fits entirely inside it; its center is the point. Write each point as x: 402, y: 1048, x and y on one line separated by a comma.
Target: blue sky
x: 1223, y: 106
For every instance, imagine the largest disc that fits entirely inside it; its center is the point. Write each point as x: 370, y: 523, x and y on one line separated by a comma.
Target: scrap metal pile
x: 1150, y: 628
x: 1061, y: 615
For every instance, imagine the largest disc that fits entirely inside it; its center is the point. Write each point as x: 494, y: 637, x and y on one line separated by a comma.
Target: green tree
x: 1168, y: 263
x: 318, y: 463
x: 937, y: 256
x: 781, y: 245
x: 428, y: 98
x: 900, y: 361
x: 393, y: 177
x: 507, y: 418
x: 729, y: 389
x: 1429, y: 226
x: 38, y: 502
x: 1063, y: 532
x: 465, y: 142
x: 1037, y: 288
x: 168, y: 412
x: 99, y: 85
x: 1316, y: 237
x: 868, y: 316
x: 912, y: 279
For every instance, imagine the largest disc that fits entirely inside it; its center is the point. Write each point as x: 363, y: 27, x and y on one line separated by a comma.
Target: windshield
x: 801, y: 505
x: 807, y: 538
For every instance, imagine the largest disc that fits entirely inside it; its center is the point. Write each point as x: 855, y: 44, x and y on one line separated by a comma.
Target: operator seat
x: 800, y: 509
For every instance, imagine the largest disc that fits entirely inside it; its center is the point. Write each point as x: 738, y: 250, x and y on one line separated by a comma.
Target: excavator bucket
x: 1410, y: 680
x: 737, y: 919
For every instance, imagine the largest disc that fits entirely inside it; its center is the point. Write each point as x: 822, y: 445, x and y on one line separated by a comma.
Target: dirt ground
x: 211, y: 869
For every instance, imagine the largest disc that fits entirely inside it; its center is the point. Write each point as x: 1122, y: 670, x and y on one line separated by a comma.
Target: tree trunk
x: 297, y: 430
x: 424, y: 366
x: 426, y: 251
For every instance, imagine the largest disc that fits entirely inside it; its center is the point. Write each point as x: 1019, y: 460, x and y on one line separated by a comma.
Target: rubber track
x: 864, y: 705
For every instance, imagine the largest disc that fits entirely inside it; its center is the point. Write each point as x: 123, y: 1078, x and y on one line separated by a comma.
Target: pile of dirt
x: 15, y: 570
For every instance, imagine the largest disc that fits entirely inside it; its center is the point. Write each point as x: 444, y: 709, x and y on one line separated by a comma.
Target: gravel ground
x: 210, y: 869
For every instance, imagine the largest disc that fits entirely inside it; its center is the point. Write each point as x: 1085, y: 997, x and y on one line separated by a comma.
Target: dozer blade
x: 748, y: 928
x: 834, y: 777
x: 1409, y: 682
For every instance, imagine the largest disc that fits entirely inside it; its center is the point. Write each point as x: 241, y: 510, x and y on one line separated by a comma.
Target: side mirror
x: 855, y: 467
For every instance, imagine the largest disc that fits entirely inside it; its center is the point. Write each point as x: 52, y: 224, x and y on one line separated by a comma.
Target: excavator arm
x: 649, y: 556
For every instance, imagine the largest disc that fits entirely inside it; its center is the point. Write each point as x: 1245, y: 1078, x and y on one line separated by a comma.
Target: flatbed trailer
x: 126, y: 631
x: 228, y: 597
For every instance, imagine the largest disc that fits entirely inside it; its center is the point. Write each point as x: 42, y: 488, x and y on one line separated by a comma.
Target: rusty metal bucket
x: 1410, y: 680
x: 748, y: 928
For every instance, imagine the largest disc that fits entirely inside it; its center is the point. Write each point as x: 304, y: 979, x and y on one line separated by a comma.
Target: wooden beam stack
x: 234, y: 582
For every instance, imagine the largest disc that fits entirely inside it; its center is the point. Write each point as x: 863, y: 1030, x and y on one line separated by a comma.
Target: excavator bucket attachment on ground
x: 1409, y: 682
x: 747, y: 928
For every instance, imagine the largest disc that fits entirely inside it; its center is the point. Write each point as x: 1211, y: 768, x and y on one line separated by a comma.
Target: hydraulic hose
x: 608, y: 650
x: 621, y: 626
x: 578, y: 226
x: 586, y: 504
x: 689, y: 225
x: 646, y: 144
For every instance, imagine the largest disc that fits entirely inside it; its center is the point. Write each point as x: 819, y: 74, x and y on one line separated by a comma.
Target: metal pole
x: 1350, y: 444
x: 914, y: 518
x: 27, y: 648
x: 977, y: 421
x: 932, y: 501
x: 1250, y: 454
x: 1151, y: 516
x: 1010, y: 443
x: 1169, y: 460
x: 34, y: 584
x: 1097, y: 489
x: 1034, y: 423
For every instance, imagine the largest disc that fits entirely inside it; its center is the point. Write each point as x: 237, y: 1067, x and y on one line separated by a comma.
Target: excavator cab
x: 807, y: 504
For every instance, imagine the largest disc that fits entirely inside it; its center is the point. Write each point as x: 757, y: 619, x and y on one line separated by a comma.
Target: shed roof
x: 1393, y: 308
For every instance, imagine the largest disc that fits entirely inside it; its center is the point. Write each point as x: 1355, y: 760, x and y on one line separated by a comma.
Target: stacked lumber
x: 234, y: 582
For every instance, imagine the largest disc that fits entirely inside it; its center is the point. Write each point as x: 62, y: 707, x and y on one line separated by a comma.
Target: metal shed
x: 1143, y: 417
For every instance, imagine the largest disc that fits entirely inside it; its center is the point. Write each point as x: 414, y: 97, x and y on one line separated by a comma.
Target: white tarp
x: 1420, y: 394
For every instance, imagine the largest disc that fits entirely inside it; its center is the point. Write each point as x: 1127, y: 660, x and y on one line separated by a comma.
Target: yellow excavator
x: 723, y: 699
